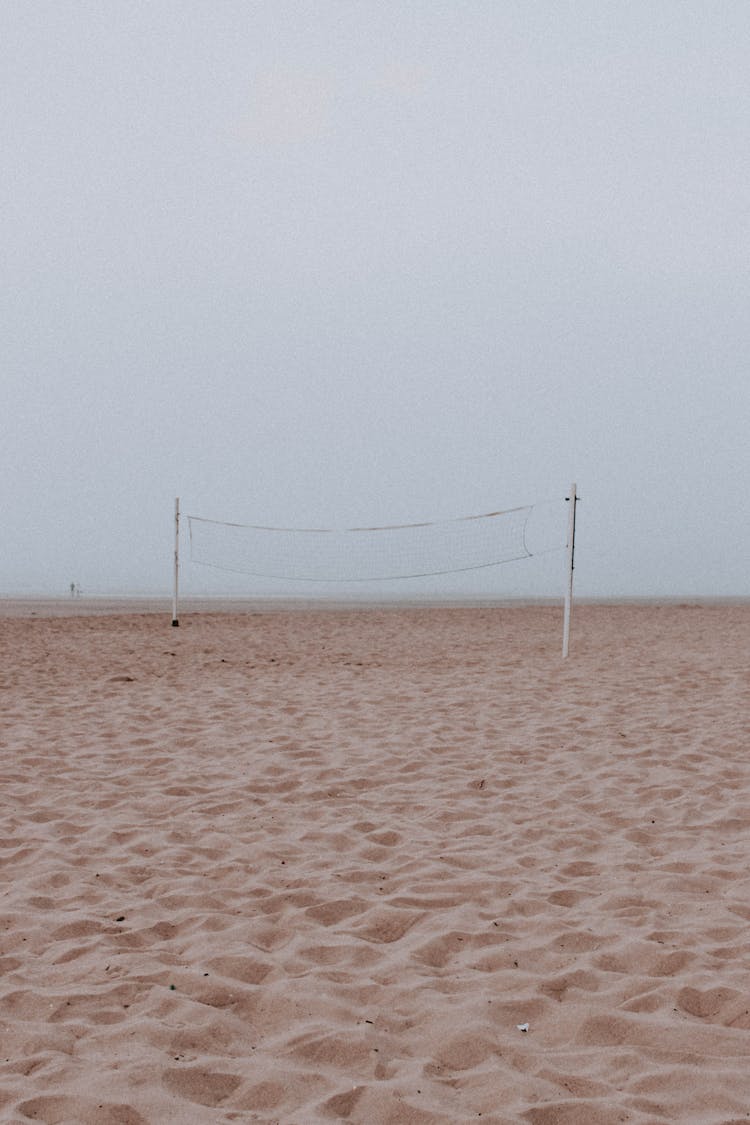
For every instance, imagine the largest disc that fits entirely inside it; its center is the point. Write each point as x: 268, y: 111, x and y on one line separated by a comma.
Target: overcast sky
x: 343, y: 263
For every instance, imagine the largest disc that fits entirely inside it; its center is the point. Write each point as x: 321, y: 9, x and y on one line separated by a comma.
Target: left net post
x: 175, y: 588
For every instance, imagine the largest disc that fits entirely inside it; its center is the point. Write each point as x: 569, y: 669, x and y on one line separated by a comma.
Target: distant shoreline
x: 106, y: 605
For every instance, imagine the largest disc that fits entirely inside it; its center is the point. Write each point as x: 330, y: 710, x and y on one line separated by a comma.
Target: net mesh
x: 362, y: 554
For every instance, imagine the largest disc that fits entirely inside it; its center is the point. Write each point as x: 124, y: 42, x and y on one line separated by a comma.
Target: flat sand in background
x: 309, y: 866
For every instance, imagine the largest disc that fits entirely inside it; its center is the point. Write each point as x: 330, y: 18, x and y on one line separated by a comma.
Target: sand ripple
x: 308, y: 867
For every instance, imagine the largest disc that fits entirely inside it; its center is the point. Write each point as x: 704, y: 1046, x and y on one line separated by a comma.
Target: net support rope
x: 362, y: 554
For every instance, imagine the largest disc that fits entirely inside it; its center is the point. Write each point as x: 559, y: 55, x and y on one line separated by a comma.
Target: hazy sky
x: 334, y: 263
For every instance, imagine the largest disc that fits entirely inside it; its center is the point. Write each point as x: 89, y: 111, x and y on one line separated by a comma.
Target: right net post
x: 570, y: 561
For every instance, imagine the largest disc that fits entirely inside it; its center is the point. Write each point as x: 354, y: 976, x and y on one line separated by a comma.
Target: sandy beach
x: 395, y: 866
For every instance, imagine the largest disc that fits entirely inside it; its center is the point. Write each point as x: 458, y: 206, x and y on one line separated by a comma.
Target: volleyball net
x: 372, y: 554
x: 361, y: 554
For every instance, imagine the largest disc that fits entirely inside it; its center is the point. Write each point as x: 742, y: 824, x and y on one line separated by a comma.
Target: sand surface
x: 304, y: 867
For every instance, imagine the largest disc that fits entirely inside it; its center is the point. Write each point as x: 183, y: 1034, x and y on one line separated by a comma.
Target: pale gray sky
x: 334, y: 263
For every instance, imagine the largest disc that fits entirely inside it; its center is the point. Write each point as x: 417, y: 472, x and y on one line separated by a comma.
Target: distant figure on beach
x: 72, y: 589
